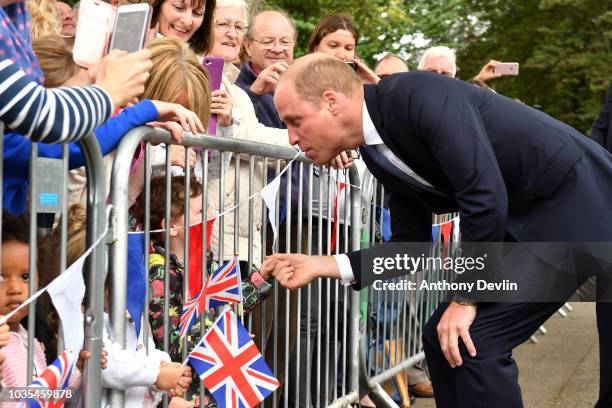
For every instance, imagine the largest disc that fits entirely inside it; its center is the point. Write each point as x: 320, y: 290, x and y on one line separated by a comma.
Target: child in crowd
x: 255, y: 288
x: 14, y: 291
x: 143, y: 376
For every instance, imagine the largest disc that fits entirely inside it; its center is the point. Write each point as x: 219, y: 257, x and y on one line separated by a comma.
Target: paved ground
x: 562, y: 370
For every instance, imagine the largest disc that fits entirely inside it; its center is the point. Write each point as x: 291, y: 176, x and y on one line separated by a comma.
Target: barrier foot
x: 543, y: 330
x: 534, y: 340
x: 381, y: 398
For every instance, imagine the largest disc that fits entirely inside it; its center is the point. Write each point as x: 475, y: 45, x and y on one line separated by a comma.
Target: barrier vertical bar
x: 354, y: 295
x: 95, y: 264
x: 32, y: 263
x: 147, y: 243
x: 186, y: 225
x: 118, y: 256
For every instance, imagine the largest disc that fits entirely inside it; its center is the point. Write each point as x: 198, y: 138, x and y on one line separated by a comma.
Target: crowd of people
x: 47, y: 97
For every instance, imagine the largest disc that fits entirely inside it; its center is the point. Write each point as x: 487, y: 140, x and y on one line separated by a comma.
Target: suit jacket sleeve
x: 600, y: 129
x: 410, y: 222
x: 445, y: 118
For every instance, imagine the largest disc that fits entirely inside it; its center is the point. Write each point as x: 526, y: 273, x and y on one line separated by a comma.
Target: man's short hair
x: 438, y: 52
x: 322, y: 74
x: 283, y: 13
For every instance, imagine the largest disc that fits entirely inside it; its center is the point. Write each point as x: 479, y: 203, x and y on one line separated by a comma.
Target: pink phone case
x: 96, y: 19
x: 507, y: 68
x: 214, y: 66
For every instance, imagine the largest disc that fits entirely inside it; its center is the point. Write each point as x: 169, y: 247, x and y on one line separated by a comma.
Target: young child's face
x: 195, y: 214
x: 16, y: 278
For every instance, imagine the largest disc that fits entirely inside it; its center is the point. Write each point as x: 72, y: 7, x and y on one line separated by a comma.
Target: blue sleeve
x: 17, y: 148
x: 110, y: 133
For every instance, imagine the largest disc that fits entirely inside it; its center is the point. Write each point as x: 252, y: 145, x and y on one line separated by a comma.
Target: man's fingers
x: 443, y: 337
x: 467, y: 340
x: 453, y: 348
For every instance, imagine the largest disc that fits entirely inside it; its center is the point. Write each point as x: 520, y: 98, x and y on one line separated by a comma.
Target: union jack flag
x: 230, y: 365
x: 55, y: 377
x: 221, y: 287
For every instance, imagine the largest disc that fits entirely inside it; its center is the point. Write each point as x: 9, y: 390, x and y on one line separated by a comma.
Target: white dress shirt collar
x: 370, y: 134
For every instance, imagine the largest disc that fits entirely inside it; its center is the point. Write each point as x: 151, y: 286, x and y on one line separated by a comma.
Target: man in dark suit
x: 442, y: 145
x: 602, y: 129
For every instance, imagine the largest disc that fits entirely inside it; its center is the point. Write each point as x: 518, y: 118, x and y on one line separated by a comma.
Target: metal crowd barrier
x: 329, y: 346
x: 298, y: 354
x: 392, y: 320
x: 47, y: 194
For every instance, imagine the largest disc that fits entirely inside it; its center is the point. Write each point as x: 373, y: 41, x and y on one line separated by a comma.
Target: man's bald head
x: 270, y: 15
x: 316, y: 73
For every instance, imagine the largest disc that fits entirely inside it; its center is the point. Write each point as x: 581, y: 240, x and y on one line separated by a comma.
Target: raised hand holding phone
x: 214, y: 66
x: 131, y: 27
x: 94, y: 26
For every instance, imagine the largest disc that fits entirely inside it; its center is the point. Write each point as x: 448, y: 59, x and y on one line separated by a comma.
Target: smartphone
x: 214, y: 66
x: 352, y: 65
x: 507, y: 68
x: 131, y: 27
x: 96, y: 20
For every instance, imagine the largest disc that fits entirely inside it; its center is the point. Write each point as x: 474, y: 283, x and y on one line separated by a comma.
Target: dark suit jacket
x: 510, y: 170
x: 602, y: 131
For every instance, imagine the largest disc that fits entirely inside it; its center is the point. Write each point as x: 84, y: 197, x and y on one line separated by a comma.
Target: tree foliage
x: 564, y: 47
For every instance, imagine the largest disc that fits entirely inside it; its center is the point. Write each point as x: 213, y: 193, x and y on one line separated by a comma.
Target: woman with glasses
x: 230, y: 22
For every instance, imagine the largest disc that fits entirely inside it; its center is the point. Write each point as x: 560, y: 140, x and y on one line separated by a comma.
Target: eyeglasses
x: 224, y: 27
x: 268, y: 43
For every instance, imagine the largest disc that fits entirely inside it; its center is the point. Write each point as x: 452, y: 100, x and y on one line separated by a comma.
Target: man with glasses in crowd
x: 269, y: 46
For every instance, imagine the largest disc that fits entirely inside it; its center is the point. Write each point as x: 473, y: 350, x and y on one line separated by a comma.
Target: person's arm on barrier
x: 67, y: 114
x: 17, y: 148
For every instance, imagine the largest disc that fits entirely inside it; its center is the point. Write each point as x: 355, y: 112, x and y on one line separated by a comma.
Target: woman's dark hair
x: 330, y: 24
x: 202, y: 40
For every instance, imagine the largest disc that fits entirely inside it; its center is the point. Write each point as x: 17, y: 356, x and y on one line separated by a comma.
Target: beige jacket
x: 247, y: 127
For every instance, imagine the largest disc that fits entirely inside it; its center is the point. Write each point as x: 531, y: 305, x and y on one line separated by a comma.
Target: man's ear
x: 247, y: 43
x: 332, y: 101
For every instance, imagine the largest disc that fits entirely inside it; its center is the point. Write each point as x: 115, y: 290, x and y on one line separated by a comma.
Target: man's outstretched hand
x: 297, y: 270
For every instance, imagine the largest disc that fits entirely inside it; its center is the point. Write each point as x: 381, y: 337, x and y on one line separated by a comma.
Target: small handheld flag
x: 230, y: 365
x: 55, y: 377
x: 221, y: 288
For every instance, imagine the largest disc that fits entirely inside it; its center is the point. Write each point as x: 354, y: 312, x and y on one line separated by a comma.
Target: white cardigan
x: 132, y: 369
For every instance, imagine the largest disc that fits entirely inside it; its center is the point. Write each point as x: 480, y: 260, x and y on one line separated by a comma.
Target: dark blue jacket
x: 263, y: 104
x: 508, y: 169
x: 17, y: 149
